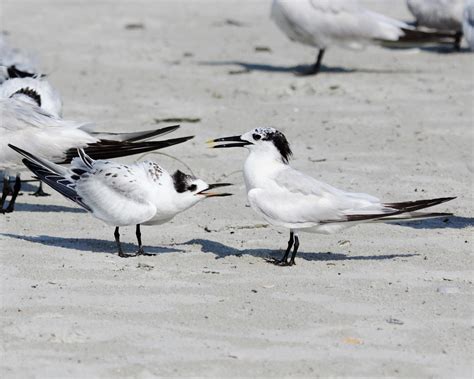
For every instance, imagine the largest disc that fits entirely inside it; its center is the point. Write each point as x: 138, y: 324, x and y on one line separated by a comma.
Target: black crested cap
x: 181, y: 180
x: 278, y: 139
x: 31, y: 93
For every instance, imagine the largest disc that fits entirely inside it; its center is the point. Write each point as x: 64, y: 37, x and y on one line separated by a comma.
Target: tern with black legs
x: 288, y: 198
x: 121, y: 195
x: 324, y: 24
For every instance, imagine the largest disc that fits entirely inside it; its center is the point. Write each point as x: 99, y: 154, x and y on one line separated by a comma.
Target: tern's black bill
x: 238, y: 142
x: 215, y: 194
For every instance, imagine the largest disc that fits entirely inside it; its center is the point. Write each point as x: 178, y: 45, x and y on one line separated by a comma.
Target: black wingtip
x: 20, y: 151
x: 106, y: 149
x: 153, y: 133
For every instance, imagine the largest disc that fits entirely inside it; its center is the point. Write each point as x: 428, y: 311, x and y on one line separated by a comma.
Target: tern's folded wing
x: 299, y: 198
x: 117, y: 194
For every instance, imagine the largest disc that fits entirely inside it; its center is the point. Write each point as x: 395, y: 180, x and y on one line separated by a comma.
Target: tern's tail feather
x: 416, y: 37
x: 57, y: 177
x: 404, y: 211
x: 107, y: 149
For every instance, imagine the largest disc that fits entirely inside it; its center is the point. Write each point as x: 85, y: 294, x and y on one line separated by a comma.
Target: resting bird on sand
x: 28, y: 126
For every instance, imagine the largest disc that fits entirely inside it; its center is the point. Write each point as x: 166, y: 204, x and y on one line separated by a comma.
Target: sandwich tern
x: 27, y: 125
x: 344, y: 23
x: 122, y: 195
x: 288, y: 198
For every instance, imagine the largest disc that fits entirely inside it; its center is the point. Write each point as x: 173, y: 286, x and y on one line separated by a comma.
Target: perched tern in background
x: 468, y: 23
x: 288, y: 198
x: 327, y: 23
x: 27, y: 125
x: 123, y: 195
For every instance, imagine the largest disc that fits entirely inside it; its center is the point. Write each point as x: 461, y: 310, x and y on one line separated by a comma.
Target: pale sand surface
x: 377, y: 300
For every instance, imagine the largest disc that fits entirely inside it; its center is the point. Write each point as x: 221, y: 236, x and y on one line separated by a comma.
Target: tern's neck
x: 259, y: 167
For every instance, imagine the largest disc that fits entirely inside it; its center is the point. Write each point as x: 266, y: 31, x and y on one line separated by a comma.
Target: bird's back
x: 33, y: 129
x: 437, y: 14
x: 324, y: 23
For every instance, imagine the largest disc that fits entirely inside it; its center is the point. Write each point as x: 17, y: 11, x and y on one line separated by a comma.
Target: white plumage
x: 122, y: 195
x: 48, y: 98
x: 326, y: 23
x: 437, y: 14
x: 30, y: 127
x: 286, y: 197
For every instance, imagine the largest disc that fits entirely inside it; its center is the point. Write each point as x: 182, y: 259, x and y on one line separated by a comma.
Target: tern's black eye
x: 192, y: 187
x: 256, y: 136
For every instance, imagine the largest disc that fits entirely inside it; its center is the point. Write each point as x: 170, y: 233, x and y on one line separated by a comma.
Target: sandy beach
x: 377, y: 300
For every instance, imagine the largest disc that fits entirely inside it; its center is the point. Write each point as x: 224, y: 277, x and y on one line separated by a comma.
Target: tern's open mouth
x: 237, y: 142
x: 215, y: 194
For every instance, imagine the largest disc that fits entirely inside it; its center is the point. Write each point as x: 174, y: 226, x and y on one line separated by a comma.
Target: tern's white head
x: 267, y: 141
x: 191, y: 190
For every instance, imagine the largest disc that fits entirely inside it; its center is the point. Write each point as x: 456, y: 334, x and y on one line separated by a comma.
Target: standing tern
x: 344, y: 23
x: 31, y: 127
x: 123, y: 195
x: 288, y: 198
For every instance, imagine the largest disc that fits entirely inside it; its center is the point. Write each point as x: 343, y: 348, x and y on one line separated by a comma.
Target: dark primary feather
x: 107, y: 149
x: 403, y: 207
x: 138, y: 136
x: 413, y: 38
x: 56, y: 181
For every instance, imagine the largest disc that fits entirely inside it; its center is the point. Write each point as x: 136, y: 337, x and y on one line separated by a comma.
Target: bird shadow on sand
x: 222, y: 251
x: 90, y: 245
x: 247, y: 67
x: 251, y: 66
x: 451, y: 222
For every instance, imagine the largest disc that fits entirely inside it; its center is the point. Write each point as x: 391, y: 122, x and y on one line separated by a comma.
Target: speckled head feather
x: 31, y: 93
x: 278, y: 139
x: 181, y: 181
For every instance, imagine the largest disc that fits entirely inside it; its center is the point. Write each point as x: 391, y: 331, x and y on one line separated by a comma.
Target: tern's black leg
x: 139, y: 239
x: 283, y: 260
x: 295, y: 250
x: 315, y: 68
x: 288, y: 249
x: 119, y: 245
x: 16, y: 191
x: 7, y: 190
x: 39, y: 192
x: 457, y: 41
